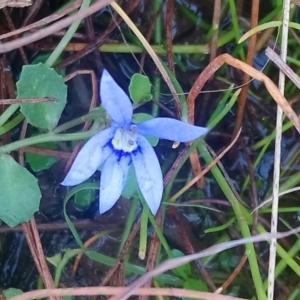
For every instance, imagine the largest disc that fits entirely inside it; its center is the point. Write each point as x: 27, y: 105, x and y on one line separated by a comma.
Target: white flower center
x: 125, y: 139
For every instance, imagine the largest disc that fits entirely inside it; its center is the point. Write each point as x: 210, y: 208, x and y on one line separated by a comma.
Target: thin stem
x: 50, y: 137
x: 67, y: 37
x: 240, y: 213
x: 8, y: 113
x: 11, y: 124
x: 143, y: 232
x: 277, y: 154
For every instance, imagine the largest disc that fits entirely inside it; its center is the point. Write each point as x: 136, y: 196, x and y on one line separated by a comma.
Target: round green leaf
x: 85, y: 197
x: 40, y: 81
x: 19, y: 194
x: 12, y: 292
x: 195, y: 285
x: 39, y: 162
x: 140, y: 88
x: 183, y: 271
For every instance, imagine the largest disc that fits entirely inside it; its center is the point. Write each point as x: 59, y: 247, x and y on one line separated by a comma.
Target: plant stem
x: 11, y: 124
x: 158, y: 49
x: 49, y: 137
x: 8, y: 113
x: 239, y: 211
x: 67, y: 37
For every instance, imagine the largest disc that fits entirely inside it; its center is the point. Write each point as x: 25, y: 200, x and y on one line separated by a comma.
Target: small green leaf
x: 184, y: 270
x: 195, y: 194
x: 141, y: 117
x: 42, y: 58
x: 12, y: 292
x: 39, y: 162
x: 228, y: 260
x: 140, y: 88
x: 54, y: 260
x: 85, y: 197
x: 40, y: 81
x: 195, y: 285
x: 19, y: 194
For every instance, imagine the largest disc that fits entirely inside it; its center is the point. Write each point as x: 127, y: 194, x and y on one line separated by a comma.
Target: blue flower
x: 124, y: 143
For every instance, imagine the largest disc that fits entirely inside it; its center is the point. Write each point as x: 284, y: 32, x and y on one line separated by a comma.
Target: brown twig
x: 176, y: 262
x: 6, y: 47
x: 79, y: 224
x: 283, y: 66
x: 31, y: 12
x: 47, y: 152
x: 32, y: 235
x: 175, y: 165
x: 97, y: 42
x: 34, y: 243
x: 207, y: 169
x: 215, y: 25
x: 122, y: 255
x: 12, y: 27
x: 108, y: 291
x: 7, y: 90
x: 209, y: 201
x: 44, y: 21
x: 27, y: 100
x: 183, y: 232
x: 233, y: 275
x: 269, y: 84
x: 250, y: 54
x: 91, y: 37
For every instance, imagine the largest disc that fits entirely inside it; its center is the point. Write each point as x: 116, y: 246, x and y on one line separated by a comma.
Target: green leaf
x: 12, y: 292
x: 85, y: 197
x: 228, y: 260
x: 140, y: 88
x: 40, y: 81
x: 54, y: 260
x: 69, y: 253
x: 19, y: 194
x: 184, y: 270
x: 195, y: 285
x: 39, y: 162
x: 141, y: 117
x: 42, y: 58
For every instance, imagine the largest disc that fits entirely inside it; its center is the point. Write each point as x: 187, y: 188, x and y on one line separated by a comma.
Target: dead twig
x: 246, y: 78
x: 176, y: 262
x: 106, y: 291
x: 283, y: 66
x: 44, y: 21
x: 269, y: 84
x: 9, y: 46
x: 27, y: 100
x: 215, y: 25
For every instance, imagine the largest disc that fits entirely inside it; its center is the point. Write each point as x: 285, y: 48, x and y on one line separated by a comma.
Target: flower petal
x: 114, y: 100
x: 148, y: 173
x: 113, y: 179
x: 90, y: 157
x: 171, y: 129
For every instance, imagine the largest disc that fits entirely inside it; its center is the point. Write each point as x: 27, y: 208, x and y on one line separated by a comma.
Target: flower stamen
x: 125, y: 139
